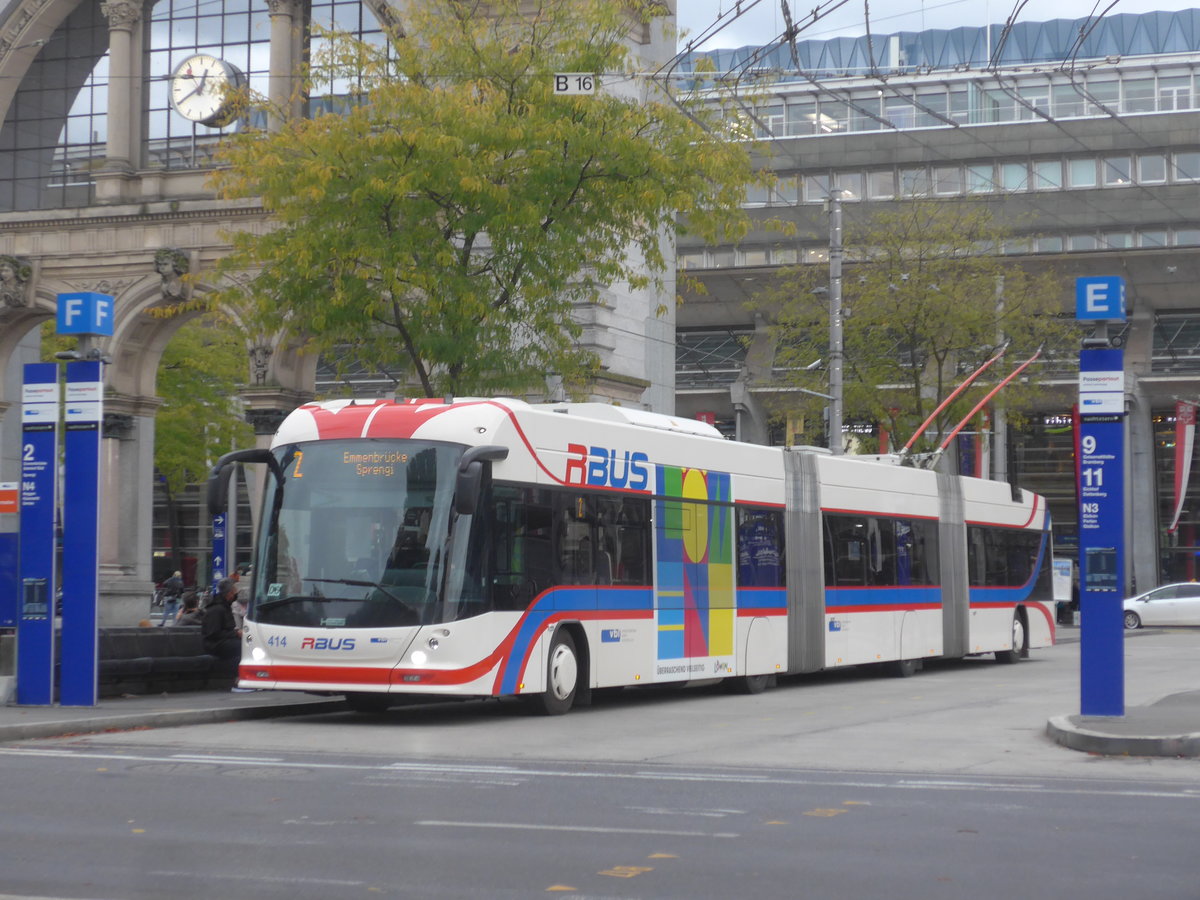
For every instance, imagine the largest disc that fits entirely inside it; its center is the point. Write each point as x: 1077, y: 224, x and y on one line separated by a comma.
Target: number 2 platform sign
x: 1102, y: 531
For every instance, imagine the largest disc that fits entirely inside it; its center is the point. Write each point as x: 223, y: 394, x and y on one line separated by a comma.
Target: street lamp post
x: 834, y: 208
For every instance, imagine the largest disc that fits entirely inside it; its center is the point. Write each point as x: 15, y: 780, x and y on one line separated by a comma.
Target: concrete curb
x: 163, y: 719
x: 1064, y: 731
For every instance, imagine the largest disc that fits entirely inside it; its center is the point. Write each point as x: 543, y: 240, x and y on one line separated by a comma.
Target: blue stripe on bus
x: 866, y: 597
x: 582, y: 599
x: 761, y: 598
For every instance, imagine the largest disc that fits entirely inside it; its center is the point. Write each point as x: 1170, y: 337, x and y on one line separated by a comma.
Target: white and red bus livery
x: 483, y: 548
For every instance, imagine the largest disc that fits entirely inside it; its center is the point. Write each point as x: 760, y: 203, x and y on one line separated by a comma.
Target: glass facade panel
x: 980, y: 179
x: 947, y: 180
x: 1049, y: 244
x: 1014, y: 176
x: 931, y: 108
x: 1139, y: 95
x: 833, y: 116
x: 1186, y: 167
x: 1116, y: 171
x: 881, y: 185
x: 800, y: 118
x: 1152, y: 168
x: 1101, y: 96
x: 1083, y: 242
x: 1174, y: 92
x: 816, y: 188
x: 1152, y: 238
x: 851, y: 185
x: 1066, y: 101
x: 914, y: 182
x: 1047, y: 175
x: 864, y: 114
x: 1081, y: 173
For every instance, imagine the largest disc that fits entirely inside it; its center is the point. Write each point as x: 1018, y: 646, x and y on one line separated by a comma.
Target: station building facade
x: 1082, y: 135
x: 104, y: 187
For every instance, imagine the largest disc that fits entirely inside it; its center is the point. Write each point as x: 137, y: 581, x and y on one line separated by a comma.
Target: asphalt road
x: 841, y: 786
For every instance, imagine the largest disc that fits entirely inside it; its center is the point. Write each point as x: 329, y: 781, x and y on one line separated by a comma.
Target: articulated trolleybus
x: 489, y: 548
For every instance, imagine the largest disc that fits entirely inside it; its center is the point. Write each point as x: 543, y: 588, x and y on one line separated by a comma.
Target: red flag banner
x: 1185, y: 437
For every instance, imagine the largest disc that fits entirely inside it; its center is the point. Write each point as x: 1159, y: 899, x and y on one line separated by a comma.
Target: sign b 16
x: 575, y: 83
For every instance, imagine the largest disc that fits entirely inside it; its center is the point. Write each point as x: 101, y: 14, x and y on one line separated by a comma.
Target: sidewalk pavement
x: 1167, y: 727
x: 127, y: 713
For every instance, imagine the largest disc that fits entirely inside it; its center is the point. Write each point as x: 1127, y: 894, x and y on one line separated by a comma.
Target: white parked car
x: 1171, y: 604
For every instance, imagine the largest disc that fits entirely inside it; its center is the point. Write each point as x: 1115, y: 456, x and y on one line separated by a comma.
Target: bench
x: 157, y: 660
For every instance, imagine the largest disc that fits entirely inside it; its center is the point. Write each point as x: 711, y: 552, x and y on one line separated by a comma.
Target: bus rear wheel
x: 562, y: 677
x: 1018, y: 643
x: 902, y: 668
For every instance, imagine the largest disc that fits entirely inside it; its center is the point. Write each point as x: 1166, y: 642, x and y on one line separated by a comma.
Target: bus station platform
x: 1169, y: 727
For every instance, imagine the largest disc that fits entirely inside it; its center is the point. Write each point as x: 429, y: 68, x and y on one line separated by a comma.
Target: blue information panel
x: 39, y: 465
x: 219, y: 563
x: 82, y: 415
x: 1102, y: 538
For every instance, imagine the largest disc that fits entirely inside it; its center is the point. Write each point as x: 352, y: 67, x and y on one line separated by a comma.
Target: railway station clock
x: 201, y: 87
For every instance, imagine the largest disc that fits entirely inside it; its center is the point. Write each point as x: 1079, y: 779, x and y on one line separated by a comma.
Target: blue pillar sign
x: 82, y: 415
x: 39, y: 471
x: 1102, y: 531
x: 218, y: 548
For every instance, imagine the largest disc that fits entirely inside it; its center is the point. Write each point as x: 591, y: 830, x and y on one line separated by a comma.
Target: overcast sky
x: 762, y: 22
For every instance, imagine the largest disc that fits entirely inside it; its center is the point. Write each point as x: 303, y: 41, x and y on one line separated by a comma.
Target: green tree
x: 199, y: 418
x: 447, y: 217
x: 928, y: 297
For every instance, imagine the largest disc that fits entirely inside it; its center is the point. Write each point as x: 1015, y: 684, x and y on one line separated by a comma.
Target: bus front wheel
x: 562, y: 676
x: 1018, y: 643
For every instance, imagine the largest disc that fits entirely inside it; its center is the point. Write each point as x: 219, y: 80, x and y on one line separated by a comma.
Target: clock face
x: 199, y: 89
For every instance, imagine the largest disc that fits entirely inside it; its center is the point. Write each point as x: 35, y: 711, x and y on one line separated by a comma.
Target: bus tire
x: 562, y: 676
x: 902, y: 668
x: 368, y: 703
x: 751, y: 684
x: 1018, y: 643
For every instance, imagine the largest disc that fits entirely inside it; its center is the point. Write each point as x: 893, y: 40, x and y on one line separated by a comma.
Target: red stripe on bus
x: 883, y: 607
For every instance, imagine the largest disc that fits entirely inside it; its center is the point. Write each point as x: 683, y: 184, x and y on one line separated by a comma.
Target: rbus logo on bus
x: 603, y: 468
x: 324, y: 643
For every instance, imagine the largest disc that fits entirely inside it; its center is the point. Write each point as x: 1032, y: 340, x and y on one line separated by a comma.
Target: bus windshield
x: 357, y: 534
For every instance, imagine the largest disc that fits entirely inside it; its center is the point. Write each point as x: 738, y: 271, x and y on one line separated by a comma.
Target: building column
x: 124, y: 92
x: 285, y: 56
x: 126, y: 509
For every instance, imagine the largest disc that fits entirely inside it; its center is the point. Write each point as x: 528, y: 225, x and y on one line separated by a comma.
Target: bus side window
x: 760, y: 548
x: 847, y: 545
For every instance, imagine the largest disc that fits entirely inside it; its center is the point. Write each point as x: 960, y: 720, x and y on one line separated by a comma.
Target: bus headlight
x: 433, y: 643
x: 418, y: 658
x: 258, y: 654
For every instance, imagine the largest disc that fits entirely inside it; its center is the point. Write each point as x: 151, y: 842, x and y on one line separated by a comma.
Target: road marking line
x: 282, y: 879
x: 589, y: 829
x: 200, y: 757
x: 839, y: 780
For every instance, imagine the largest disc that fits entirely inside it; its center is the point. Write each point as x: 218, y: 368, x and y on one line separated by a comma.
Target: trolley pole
x: 834, y: 207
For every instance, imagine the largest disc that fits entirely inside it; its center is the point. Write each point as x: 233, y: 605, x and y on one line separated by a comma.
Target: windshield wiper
x: 356, y: 582
x: 292, y: 598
